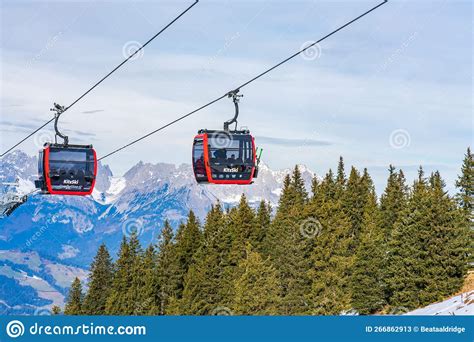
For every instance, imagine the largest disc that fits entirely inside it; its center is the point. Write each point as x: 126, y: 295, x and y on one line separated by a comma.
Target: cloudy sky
x: 395, y: 87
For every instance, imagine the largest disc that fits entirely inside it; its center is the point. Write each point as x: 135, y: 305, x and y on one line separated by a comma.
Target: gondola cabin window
x: 67, y: 170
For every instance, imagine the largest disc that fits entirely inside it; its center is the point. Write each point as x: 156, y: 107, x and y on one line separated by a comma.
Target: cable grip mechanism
x: 58, y: 110
x: 235, y: 98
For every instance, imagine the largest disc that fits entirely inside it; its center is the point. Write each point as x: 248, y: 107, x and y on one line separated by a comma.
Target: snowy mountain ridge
x: 62, y: 233
x: 149, y: 193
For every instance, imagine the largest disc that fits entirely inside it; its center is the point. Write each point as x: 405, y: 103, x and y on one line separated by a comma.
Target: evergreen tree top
x: 354, y: 176
x: 465, y: 184
x: 341, y: 176
x: 391, y: 169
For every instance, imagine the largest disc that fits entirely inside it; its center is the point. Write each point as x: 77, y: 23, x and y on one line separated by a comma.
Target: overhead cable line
x: 102, y: 79
x: 235, y: 90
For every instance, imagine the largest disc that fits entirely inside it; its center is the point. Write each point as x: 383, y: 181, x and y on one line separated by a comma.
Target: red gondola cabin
x: 67, y: 169
x: 222, y: 157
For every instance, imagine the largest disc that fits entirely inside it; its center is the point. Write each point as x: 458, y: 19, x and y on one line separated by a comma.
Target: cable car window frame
x: 40, y: 164
x: 90, y: 169
x: 200, y: 177
x: 246, y: 168
x: 71, y: 163
x: 72, y: 152
x: 244, y: 149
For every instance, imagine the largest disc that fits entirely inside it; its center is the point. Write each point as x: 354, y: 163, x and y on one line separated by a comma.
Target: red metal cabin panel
x: 60, y: 192
x: 210, y: 180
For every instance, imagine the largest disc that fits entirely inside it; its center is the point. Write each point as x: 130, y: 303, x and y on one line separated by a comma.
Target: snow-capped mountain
x: 66, y: 230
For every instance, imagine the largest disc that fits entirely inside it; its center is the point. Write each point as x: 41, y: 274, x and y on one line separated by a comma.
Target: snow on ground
x: 459, y: 305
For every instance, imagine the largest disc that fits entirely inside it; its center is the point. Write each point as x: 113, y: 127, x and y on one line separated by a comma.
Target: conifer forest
x: 336, y: 248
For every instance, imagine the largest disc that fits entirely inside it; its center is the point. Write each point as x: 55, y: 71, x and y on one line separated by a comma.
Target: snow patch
x: 459, y: 305
x: 68, y: 252
x: 117, y: 184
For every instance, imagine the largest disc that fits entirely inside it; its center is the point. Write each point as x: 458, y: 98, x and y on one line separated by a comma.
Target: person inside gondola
x: 221, y: 154
x: 199, y: 166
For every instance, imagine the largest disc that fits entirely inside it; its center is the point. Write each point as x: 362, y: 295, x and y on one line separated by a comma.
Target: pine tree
x: 447, y: 243
x: 207, y: 283
x: 188, y: 241
x: 328, y: 187
x: 367, y: 284
x: 355, y: 198
x: 75, y: 299
x: 286, y: 200
x: 286, y: 245
x: 242, y: 224
x: 167, y: 269
x: 393, y: 201
x: 242, y: 229
x: 100, y: 282
x: 300, y: 196
x: 148, y: 296
x: 262, y: 225
x: 341, y: 180
x: 329, y: 253
x: 406, y: 253
x: 136, y: 275
x: 465, y: 185
x: 257, y: 287
x: 315, y: 190
x: 429, y: 247
x: 465, y: 196
x: 119, y: 301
